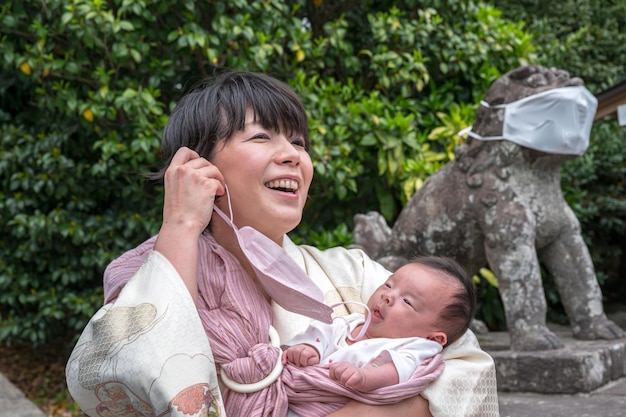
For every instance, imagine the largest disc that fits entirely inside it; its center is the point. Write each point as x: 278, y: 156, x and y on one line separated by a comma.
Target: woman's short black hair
x: 214, y: 109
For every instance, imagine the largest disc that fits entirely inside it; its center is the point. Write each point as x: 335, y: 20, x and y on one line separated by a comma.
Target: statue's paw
x: 371, y: 233
x: 538, y: 338
x: 598, y: 328
x: 479, y: 327
x: 392, y: 262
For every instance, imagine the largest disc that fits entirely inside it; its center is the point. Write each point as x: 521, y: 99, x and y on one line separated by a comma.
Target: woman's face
x: 268, y: 177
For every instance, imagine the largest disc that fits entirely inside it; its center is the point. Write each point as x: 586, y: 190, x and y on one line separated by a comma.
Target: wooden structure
x: 609, y: 100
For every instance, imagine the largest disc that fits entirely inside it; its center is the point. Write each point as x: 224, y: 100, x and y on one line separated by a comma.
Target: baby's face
x: 408, y: 303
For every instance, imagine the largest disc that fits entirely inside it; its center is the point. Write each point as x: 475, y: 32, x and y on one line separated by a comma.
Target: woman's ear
x: 439, y: 337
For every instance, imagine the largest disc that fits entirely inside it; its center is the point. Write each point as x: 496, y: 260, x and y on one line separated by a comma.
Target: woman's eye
x: 261, y: 136
x: 298, y: 142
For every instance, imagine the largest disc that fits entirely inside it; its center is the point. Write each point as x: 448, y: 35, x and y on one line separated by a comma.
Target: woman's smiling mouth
x: 289, y: 186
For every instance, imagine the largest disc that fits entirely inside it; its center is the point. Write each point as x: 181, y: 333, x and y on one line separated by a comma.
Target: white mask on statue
x: 554, y: 121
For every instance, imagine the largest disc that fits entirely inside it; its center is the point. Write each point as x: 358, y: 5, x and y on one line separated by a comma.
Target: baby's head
x: 430, y: 297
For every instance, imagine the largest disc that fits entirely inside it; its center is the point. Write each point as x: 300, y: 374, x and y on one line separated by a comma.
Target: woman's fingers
x: 206, y: 173
x: 189, y: 158
x: 183, y: 155
x: 191, y: 185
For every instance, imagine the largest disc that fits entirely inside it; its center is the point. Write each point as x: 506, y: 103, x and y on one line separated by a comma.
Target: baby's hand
x: 348, y: 375
x: 301, y: 355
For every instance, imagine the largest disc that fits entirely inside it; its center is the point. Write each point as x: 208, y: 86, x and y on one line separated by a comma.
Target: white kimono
x: 147, y: 351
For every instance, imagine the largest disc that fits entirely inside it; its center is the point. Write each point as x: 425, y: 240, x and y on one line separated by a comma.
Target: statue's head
x: 514, y: 85
x: 558, y: 122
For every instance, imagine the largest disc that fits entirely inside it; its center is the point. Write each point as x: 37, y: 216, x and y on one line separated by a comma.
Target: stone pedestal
x: 580, y: 366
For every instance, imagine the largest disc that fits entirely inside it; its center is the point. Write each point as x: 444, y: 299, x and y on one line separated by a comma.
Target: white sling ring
x: 265, y: 382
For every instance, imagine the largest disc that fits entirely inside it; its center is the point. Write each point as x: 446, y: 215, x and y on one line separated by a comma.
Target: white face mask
x: 277, y: 273
x: 554, y: 121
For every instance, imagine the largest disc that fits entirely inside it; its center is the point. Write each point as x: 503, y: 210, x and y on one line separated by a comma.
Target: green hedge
x: 86, y: 87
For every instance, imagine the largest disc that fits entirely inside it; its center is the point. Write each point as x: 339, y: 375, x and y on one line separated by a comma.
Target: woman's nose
x: 287, y: 153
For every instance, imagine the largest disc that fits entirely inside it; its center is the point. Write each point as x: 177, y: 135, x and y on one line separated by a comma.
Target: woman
x: 240, y: 145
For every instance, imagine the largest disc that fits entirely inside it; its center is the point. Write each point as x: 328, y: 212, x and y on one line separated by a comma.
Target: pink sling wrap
x: 236, y: 319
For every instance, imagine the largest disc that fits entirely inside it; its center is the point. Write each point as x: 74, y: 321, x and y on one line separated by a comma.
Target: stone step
x: 580, y: 366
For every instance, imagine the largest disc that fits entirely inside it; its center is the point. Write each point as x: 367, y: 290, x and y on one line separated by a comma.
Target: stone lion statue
x: 499, y: 204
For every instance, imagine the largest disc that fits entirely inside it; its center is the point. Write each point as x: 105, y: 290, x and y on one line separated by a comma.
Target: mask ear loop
x: 368, y: 319
x: 468, y: 130
x: 230, y: 206
x: 227, y: 219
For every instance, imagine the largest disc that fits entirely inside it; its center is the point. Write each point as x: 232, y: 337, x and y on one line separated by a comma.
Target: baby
x: 424, y: 306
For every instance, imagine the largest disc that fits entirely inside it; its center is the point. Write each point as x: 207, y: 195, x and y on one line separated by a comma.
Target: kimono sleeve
x: 467, y: 387
x: 146, y: 353
x: 120, y: 270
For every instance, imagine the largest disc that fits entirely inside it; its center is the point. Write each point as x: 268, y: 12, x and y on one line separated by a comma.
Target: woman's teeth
x: 283, y: 185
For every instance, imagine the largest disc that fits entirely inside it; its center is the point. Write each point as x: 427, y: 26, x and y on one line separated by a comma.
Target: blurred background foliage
x: 86, y: 87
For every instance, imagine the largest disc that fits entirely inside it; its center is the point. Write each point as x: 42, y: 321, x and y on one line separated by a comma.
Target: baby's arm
x: 364, y: 379
x: 301, y: 355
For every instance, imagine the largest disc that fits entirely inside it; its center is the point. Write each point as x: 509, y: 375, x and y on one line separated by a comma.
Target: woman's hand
x: 191, y: 185
x: 412, y: 407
